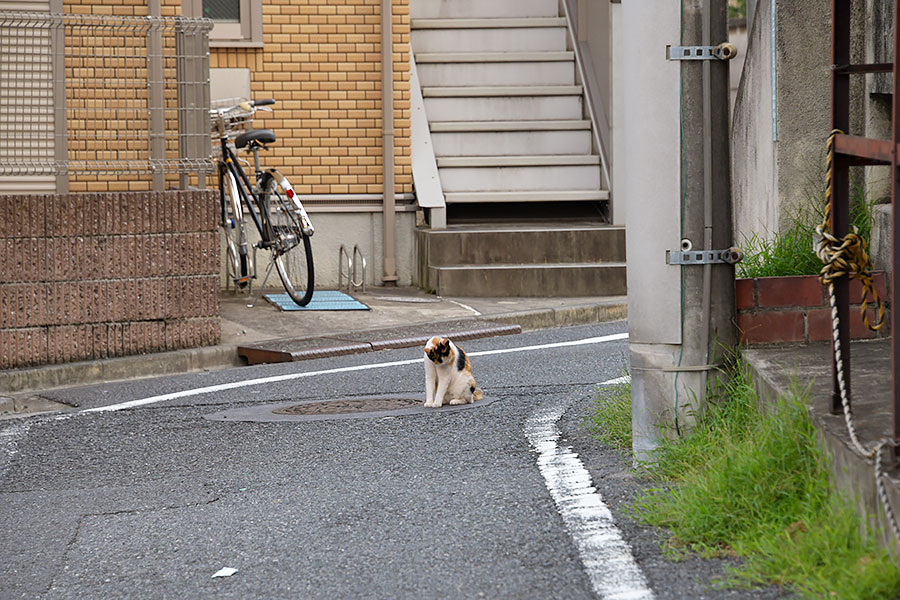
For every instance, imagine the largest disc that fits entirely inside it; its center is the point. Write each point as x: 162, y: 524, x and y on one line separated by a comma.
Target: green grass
x: 757, y: 487
x: 610, y: 423
x: 790, y: 252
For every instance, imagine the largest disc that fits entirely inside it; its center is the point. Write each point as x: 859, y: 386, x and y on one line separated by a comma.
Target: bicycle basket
x: 235, y: 121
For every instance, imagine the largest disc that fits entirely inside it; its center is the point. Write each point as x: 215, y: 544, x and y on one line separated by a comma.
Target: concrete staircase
x: 509, y: 135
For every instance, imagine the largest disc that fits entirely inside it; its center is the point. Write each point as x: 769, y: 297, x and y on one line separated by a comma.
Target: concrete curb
x: 33, y: 380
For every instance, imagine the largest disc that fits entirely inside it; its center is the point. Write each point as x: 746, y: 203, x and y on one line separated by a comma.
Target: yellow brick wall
x: 321, y: 61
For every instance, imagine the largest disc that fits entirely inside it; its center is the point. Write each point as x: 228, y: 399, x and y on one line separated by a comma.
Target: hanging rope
x: 848, y: 257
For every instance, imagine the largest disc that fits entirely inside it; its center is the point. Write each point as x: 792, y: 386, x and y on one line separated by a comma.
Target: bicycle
x: 284, y: 226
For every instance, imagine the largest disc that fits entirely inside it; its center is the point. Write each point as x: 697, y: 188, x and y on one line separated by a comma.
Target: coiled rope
x: 847, y: 257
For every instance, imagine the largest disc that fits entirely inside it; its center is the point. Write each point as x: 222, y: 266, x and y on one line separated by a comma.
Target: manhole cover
x: 364, y: 407
x: 334, y: 407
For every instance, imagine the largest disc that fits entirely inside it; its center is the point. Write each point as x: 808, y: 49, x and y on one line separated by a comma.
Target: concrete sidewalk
x: 394, y: 313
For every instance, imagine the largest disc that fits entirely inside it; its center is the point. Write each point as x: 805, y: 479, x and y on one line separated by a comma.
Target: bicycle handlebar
x: 265, y: 102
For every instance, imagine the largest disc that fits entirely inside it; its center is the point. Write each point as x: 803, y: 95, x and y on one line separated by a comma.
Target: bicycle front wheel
x: 291, y: 251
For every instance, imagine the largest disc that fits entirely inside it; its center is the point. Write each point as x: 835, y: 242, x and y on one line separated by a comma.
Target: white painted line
x: 607, y: 558
x: 617, y: 380
x: 465, y: 306
x: 276, y: 378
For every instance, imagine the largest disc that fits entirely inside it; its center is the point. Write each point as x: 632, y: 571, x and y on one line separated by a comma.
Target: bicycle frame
x: 245, y: 189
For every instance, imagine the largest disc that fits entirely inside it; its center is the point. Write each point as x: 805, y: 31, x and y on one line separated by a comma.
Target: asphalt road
x: 151, y: 501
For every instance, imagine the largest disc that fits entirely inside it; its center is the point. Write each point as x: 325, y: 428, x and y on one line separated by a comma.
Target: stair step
x: 511, y: 143
x: 500, y: 90
x: 518, y: 161
x: 502, y: 108
x: 488, y: 23
x: 524, y: 244
x: 491, y: 57
x: 536, y: 38
x: 497, y: 73
x: 571, y: 279
x: 527, y: 196
x: 552, y: 125
x: 530, y: 178
x: 426, y: 9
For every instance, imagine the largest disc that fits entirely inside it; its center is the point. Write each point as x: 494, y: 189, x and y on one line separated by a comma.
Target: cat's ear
x: 445, y: 343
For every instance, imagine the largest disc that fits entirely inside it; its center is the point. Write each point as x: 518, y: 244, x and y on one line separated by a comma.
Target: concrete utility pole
x: 677, y: 172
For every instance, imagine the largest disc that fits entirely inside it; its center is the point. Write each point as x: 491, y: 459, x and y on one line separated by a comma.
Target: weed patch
x: 753, y: 486
x: 756, y: 486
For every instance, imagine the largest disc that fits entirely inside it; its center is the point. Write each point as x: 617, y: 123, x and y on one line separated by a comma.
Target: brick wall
x: 796, y: 309
x: 321, y: 60
x: 98, y: 275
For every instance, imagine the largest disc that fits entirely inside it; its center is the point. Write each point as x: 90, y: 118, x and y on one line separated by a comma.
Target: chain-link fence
x: 87, y: 94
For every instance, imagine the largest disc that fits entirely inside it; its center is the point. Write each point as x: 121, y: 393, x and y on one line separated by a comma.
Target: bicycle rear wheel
x: 238, y: 261
x: 291, y: 249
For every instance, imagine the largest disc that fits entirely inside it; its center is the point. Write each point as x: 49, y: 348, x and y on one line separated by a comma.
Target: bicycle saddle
x: 261, y: 136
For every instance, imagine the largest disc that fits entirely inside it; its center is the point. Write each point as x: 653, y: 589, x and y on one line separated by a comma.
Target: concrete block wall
x: 99, y: 275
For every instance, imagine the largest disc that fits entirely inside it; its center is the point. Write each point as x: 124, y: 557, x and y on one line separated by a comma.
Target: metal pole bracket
x: 728, y: 256
x: 723, y: 51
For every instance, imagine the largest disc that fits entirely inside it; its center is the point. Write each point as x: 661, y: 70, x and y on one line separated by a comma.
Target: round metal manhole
x: 335, y: 407
x: 362, y: 407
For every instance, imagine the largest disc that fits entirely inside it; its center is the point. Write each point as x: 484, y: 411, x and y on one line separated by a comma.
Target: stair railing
x: 595, y: 108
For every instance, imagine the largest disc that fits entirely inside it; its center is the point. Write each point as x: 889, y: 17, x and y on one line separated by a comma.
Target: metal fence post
x: 156, y: 97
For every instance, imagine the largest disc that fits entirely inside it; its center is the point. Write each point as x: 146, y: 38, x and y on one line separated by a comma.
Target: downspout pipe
x: 387, y: 144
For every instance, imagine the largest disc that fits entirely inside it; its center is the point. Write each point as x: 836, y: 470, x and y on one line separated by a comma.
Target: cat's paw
x: 457, y: 401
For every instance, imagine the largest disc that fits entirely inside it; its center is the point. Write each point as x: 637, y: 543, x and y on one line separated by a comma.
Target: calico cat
x: 448, y: 375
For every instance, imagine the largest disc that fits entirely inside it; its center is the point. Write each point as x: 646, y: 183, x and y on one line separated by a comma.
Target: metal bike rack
x: 352, y: 282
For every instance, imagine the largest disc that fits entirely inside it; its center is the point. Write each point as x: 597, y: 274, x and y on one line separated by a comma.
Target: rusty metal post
x: 840, y: 214
x: 895, y: 218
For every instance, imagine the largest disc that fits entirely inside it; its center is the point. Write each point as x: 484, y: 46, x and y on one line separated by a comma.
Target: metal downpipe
x: 387, y: 141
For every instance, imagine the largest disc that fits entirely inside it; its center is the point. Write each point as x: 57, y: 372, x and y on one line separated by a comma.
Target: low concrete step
x: 524, y: 244
x: 500, y: 108
x: 526, y: 178
x: 526, y: 196
x: 492, y: 57
x: 306, y: 348
x: 500, y: 90
x: 456, y: 9
x: 568, y: 279
x: 498, y: 73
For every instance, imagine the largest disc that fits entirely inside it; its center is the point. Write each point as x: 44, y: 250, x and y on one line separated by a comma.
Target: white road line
x: 606, y: 556
x: 465, y: 306
x: 276, y: 378
x: 618, y: 380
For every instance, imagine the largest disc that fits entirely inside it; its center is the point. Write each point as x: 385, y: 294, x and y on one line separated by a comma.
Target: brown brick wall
x: 98, y: 275
x: 773, y: 310
x: 321, y: 61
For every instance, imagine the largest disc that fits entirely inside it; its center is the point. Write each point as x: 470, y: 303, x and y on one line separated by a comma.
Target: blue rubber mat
x: 321, y: 300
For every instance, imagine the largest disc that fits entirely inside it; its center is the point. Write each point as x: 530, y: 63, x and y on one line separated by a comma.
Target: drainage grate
x: 364, y: 407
